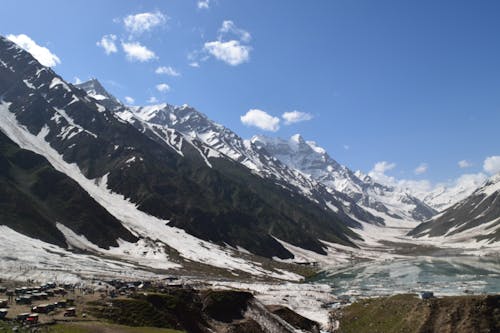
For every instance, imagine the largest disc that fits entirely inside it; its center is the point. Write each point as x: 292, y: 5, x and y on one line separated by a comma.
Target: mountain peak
x: 297, y: 138
x: 96, y: 90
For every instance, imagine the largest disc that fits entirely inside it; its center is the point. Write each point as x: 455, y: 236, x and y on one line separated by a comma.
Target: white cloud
x: 228, y: 27
x: 170, y: 71
x: 107, y: 42
x: 142, y: 22
x: 471, y: 180
x: 138, y: 52
x: 379, y: 170
x: 347, y: 147
x: 194, y: 64
x: 77, y: 80
x: 414, y: 186
x: 163, y: 87
x: 295, y: 117
x: 464, y: 164
x: 383, y: 166
x: 261, y: 119
x: 422, y: 168
x: 203, y: 4
x: 231, y: 52
x: 40, y: 53
x: 492, y: 165
x: 129, y: 100
x: 152, y: 100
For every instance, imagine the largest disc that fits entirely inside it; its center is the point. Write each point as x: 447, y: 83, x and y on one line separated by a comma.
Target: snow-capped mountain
x: 164, y: 191
x: 314, y: 162
x: 476, y: 218
x: 174, y: 125
x: 445, y: 196
x: 299, y: 165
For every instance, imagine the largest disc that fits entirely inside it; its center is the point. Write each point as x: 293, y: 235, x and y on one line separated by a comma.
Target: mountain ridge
x: 213, y: 203
x: 473, y: 219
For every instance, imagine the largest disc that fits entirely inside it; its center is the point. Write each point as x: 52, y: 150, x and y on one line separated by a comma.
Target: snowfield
x: 138, y: 222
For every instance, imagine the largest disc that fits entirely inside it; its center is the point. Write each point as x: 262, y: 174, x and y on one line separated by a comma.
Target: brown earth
x: 409, y: 314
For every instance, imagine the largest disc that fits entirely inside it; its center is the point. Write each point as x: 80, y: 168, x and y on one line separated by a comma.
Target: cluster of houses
x: 26, y: 296
x: 38, y: 298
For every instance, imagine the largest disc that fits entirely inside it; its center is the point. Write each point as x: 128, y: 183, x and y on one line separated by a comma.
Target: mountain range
x: 82, y: 171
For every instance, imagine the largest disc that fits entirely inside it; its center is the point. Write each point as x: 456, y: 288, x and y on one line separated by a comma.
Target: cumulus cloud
x: 296, y: 117
x: 152, y: 100
x: 203, y: 4
x: 231, y: 52
x: 40, y: 53
x: 261, y: 119
x: 194, y: 64
x: 378, y: 174
x: 228, y: 27
x: 143, y: 22
x: 137, y: 52
x: 492, y: 165
x: 77, y: 80
x: 129, y: 100
x: 383, y: 166
x: 163, y: 87
x: 167, y: 70
x: 471, y: 180
x: 464, y: 164
x: 422, y: 168
x: 107, y: 42
x: 378, y: 171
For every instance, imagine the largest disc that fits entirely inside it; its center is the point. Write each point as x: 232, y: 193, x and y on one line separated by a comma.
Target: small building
x: 42, y: 308
x: 426, y: 295
x: 23, y: 300
x: 22, y: 317
x: 70, y: 312
x: 61, y: 304
x: 32, y: 319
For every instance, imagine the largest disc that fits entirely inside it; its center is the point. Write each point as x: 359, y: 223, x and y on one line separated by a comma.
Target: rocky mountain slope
x: 174, y: 125
x: 34, y: 196
x: 476, y: 218
x: 170, y: 178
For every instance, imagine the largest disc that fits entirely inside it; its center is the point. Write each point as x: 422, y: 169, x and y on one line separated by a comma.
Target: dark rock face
x: 224, y: 203
x: 33, y: 196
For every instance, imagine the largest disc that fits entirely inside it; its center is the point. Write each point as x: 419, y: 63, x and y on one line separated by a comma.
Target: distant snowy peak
x: 314, y: 161
x: 445, y: 196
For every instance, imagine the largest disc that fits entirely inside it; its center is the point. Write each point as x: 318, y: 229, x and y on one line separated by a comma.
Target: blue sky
x: 413, y: 83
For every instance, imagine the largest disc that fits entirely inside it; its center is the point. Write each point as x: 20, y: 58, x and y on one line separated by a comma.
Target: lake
x: 443, y: 276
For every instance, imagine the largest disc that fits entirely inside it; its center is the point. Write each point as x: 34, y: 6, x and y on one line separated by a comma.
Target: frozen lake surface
x: 443, y: 276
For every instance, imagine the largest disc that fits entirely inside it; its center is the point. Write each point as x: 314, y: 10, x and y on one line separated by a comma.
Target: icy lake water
x: 443, y: 276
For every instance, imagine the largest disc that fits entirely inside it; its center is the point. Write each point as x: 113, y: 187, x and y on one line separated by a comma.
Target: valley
x: 93, y: 190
